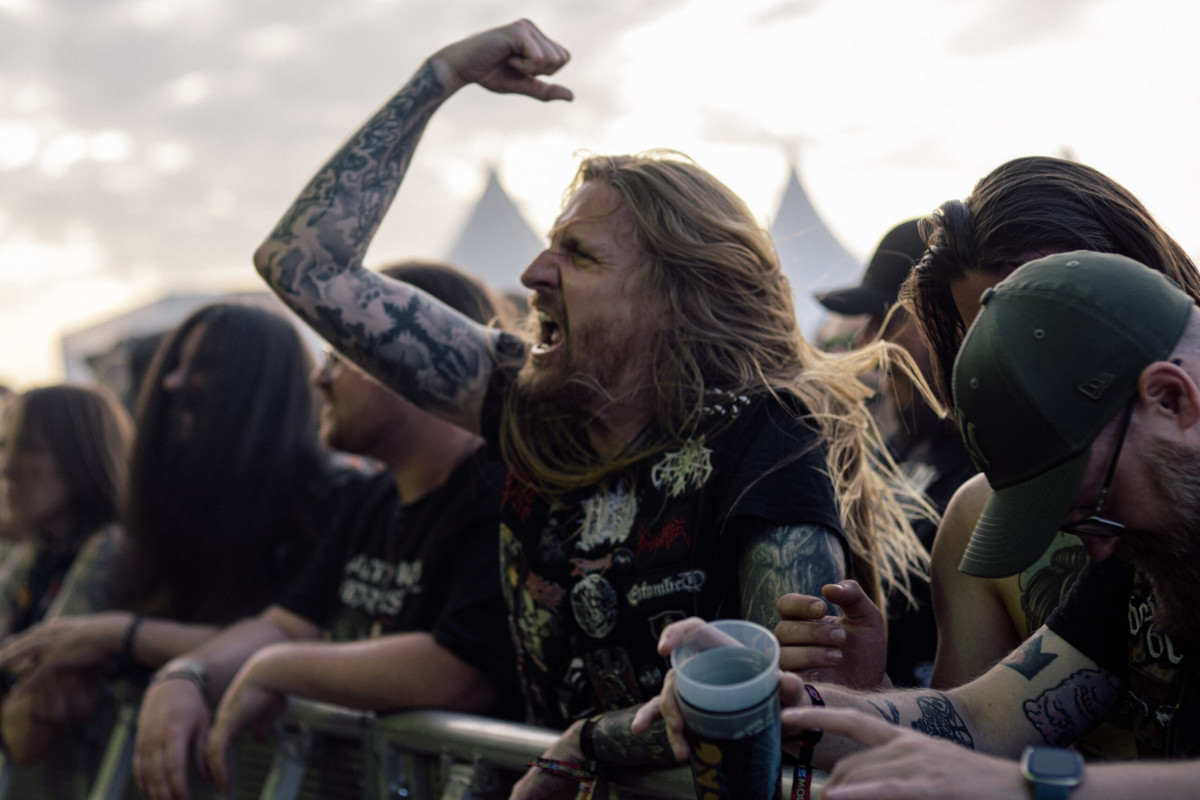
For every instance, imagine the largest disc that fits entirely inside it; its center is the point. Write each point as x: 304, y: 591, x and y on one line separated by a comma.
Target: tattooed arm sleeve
x: 313, y: 260
x: 616, y: 744
x: 777, y: 559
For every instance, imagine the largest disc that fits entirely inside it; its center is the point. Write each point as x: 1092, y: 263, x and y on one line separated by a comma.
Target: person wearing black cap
x: 926, y: 446
x: 1078, y: 392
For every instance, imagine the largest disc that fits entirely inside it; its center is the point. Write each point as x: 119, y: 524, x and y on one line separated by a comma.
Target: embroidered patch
x: 544, y: 592
x: 660, y: 541
x: 687, y: 582
x: 588, y: 566
x: 607, y: 518
x: 687, y: 468
x: 594, y: 604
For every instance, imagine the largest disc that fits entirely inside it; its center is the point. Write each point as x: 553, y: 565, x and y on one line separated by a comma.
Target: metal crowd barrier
x: 325, y: 752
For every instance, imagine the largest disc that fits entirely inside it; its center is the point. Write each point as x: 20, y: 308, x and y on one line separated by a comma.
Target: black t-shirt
x: 430, y: 566
x: 1109, y: 617
x: 592, y: 578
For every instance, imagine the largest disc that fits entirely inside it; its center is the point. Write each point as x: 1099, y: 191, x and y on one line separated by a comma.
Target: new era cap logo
x: 1096, y: 386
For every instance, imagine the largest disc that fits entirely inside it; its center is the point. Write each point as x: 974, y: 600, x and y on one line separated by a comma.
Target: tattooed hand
x: 505, y: 60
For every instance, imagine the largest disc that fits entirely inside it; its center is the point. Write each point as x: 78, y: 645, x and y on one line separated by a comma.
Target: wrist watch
x: 1052, y: 771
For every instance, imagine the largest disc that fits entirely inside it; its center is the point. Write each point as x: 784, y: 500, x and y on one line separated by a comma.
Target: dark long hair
x: 88, y: 433
x: 214, y: 511
x: 1026, y: 208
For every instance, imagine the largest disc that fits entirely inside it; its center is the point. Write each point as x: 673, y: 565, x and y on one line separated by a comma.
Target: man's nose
x: 542, y: 272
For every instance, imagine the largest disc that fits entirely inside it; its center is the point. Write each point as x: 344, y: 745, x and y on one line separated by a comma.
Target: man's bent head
x: 1054, y: 356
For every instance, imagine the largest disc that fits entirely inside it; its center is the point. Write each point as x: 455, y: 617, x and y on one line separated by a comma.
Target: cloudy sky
x: 147, y: 146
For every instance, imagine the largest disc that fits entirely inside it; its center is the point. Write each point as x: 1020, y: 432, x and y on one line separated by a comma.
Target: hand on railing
x: 244, y: 703
x: 173, y: 721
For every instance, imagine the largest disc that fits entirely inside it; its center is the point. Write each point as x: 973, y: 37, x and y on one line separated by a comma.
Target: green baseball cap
x: 1053, y: 356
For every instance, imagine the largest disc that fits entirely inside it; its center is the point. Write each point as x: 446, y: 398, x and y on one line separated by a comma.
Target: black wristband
x: 587, y: 744
x: 131, y: 638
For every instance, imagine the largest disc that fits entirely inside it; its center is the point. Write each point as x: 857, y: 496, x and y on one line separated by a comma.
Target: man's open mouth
x: 550, y: 334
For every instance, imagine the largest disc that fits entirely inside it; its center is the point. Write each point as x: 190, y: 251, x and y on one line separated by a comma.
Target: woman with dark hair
x: 65, y: 467
x: 64, y: 476
x: 223, y: 459
x: 1024, y: 209
x: 228, y: 492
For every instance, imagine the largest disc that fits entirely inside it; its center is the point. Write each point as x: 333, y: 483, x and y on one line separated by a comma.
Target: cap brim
x: 856, y: 300
x: 1019, y: 521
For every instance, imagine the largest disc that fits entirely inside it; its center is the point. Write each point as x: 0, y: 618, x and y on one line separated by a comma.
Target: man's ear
x: 1169, y: 390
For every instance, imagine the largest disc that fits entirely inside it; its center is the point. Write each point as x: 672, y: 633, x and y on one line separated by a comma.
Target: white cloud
x: 18, y: 144
x: 190, y: 89
x: 62, y: 152
x: 272, y: 41
x: 110, y: 146
x: 26, y: 261
x: 169, y: 157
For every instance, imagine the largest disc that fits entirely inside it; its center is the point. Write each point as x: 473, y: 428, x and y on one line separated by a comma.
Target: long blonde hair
x: 730, y: 325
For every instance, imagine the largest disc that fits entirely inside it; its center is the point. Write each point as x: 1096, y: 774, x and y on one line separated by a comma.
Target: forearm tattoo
x: 1074, y: 706
x: 355, y: 188
x: 617, y: 745
x: 782, y: 559
x: 1028, y: 659
x: 892, y: 714
x: 435, y: 357
x: 940, y: 719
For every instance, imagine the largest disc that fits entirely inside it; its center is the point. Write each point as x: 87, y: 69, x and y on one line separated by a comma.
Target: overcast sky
x: 147, y: 146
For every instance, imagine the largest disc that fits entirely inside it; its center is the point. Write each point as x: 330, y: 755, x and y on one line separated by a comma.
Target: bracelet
x: 185, y: 669
x: 587, y: 742
x: 802, y: 776
x: 583, y: 774
x: 131, y: 638
x: 565, y: 769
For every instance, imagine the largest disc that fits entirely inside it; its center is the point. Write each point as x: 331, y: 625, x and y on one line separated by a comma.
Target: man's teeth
x: 551, y: 333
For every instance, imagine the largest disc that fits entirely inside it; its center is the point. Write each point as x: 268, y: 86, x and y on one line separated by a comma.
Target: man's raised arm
x: 313, y: 259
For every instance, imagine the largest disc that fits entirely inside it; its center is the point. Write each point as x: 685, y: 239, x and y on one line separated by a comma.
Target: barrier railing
x: 327, y: 752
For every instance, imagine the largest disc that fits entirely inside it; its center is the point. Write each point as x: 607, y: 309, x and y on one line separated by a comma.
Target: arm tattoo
x: 432, y: 355
x: 939, y: 719
x: 1074, y: 706
x: 1028, y: 659
x: 776, y: 560
x: 343, y: 204
x: 892, y: 714
x: 617, y: 745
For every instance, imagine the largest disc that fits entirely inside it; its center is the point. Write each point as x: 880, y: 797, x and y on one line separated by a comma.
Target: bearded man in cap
x: 1077, y: 391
